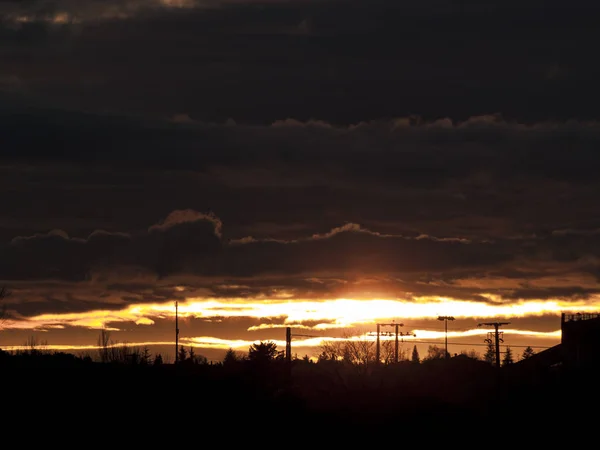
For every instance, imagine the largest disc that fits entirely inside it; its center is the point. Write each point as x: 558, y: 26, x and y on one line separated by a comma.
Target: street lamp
x: 446, y: 319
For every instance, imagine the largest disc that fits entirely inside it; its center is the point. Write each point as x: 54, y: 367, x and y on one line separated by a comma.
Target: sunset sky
x: 326, y: 165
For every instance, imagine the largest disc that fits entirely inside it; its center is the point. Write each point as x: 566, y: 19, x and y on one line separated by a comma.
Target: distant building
x: 579, y: 346
x: 580, y: 341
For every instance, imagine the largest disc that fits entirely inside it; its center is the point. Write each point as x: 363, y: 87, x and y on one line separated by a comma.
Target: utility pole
x: 288, y: 342
x: 377, y: 345
x: 446, y: 319
x: 176, y: 333
x: 288, y: 345
x: 288, y: 350
x: 377, y: 349
x: 396, y: 345
x: 497, y: 338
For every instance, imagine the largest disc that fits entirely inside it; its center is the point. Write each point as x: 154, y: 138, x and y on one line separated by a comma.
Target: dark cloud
x: 339, y: 61
x: 194, y: 247
x: 164, y: 249
x: 319, y: 148
x: 431, y: 153
x: 483, y: 178
x: 188, y: 249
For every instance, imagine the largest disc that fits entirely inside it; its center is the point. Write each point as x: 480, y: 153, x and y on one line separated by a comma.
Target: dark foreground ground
x: 309, y: 404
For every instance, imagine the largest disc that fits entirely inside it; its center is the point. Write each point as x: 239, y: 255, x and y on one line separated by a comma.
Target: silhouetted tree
x: 135, y: 356
x: 490, y: 353
x: 347, y: 354
x: 360, y: 352
x: 33, y: 345
x: 388, y: 351
x: 145, y: 356
x: 263, y: 352
x: 123, y: 354
x: 3, y: 294
x: 415, y: 355
x: 471, y: 354
x: 182, y: 354
x: 231, y: 357
x: 527, y: 353
x: 435, y: 352
x: 193, y: 358
x: 323, y: 356
x: 403, y: 354
x: 508, y: 357
x: 352, y: 351
x: 158, y: 360
x: 331, y: 350
x: 103, y: 345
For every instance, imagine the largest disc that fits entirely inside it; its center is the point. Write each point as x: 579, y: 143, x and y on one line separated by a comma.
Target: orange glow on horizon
x: 319, y: 321
x: 314, y: 343
x: 309, y: 314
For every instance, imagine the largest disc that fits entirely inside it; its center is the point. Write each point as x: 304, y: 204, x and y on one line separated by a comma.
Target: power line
x: 289, y: 334
x: 450, y: 343
x: 288, y: 342
x: 393, y: 324
x: 478, y: 344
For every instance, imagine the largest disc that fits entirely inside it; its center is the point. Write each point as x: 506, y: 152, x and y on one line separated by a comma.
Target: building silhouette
x: 579, y: 347
x: 580, y: 341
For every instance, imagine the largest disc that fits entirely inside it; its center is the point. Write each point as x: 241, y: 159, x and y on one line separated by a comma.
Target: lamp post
x: 446, y: 319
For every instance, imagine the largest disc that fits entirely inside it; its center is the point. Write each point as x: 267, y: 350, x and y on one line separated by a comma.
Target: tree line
x: 356, y: 352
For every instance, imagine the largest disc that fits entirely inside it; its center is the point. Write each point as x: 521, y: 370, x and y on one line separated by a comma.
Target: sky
x: 324, y: 165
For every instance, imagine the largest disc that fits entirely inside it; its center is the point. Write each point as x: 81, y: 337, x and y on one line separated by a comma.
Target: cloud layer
x: 341, y: 61
x: 402, y: 208
x: 154, y: 150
